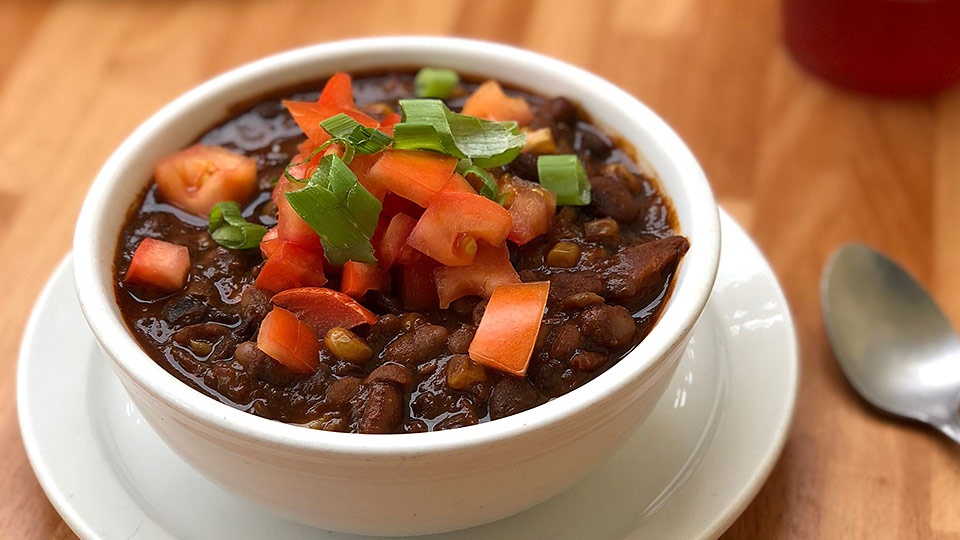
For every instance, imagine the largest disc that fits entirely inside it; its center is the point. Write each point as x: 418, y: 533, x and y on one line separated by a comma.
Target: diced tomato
x: 394, y: 239
x: 290, y: 266
x: 195, y: 179
x: 490, y: 268
x: 458, y: 183
x: 338, y: 91
x: 300, y: 166
x: 358, y: 278
x: 416, y: 286
x: 323, y: 308
x: 449, y: 228
x: 390, y: 120
x: 508, y: 329
x: 531, y: 208
x: 159, y: 265
x: 489, y: 102
x: 290, y: 226
x: 361, y: 164
x: 289, y: 341
x: 336, y: 98
x: 269, y: 243
x: 414, y: 174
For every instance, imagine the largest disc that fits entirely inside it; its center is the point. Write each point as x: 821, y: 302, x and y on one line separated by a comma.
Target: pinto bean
x: 565, y: 341
x: 588, y: 360
x: 417, y: 346
x: 383, y: 411
x: 250, y: 358
x: 341, y: 391
x: 392, y: 373
x: 459, y: 340
x: 254, y: 304
x: 510, y: 396
x: 607, y: 326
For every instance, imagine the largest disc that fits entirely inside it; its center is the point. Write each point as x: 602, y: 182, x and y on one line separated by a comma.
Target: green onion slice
x: 428, y: 124
x: 488, y: 187
x: 230, y: 230
x: 565, y: 176
x: 435, y: 82
x: 347, y: 131
x: 341, y: 211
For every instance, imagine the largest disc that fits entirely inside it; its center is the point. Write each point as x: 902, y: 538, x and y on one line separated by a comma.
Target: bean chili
x: 610, y: 265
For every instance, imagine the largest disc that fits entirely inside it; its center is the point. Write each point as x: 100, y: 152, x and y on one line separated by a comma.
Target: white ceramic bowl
x: 409, y: 483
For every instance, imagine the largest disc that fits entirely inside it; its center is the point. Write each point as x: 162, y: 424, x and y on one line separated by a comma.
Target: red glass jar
x: 885, y: 47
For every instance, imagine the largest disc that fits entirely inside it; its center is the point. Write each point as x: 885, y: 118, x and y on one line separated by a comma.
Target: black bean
x: 558, y: 110
x: 184, y: 310
x: 592, y: 142
x: 524, y: 166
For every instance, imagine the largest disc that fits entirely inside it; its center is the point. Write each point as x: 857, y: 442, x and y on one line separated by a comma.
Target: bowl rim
x: 698, y: 268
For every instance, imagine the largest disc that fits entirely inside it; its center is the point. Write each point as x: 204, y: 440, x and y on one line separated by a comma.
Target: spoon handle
x: 951, y: 429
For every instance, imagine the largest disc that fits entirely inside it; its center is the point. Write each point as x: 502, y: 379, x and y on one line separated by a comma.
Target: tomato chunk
x: 489, y: 102
x: 270, y: 243
x: 159, y: 265
x: 290, y: 226
x: 336, y: 98
x: 413, y: 174
x: 508, y: 329
x: 323, y: 308
x: 531, y: 208
x: 449, y: 228
x: 358, y: 278
x: 491, y: 268
x: 195, y: 179
x: 289, y: 341
x: 394, y: 239
x: 290, y: 266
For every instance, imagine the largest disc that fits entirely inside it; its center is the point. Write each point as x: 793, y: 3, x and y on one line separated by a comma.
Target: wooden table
x: 802, y: 166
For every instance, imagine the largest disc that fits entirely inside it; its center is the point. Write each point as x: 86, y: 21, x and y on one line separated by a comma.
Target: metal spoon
x: 891, y: 340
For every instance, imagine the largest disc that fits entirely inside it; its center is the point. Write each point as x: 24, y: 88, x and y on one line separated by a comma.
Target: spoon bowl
x: 893, y: 343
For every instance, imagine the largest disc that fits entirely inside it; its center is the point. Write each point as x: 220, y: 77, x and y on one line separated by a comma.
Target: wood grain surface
x: 802, y: 166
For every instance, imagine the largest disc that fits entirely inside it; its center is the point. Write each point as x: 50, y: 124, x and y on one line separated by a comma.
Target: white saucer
x: 688, y: 472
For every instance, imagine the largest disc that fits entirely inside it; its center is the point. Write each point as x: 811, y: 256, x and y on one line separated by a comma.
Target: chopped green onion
x: 428, y: 124
x: 564, y: 176
x: 489, y: 186
x: 435, y: 83
x: 230, y: 230
x: 347, y: 131
x: 341, y: 211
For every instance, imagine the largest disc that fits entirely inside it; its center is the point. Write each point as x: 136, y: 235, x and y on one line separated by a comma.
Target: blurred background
x: 801, y: 164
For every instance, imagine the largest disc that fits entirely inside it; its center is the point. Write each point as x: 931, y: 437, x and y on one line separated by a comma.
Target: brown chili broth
x: 266, y: 132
